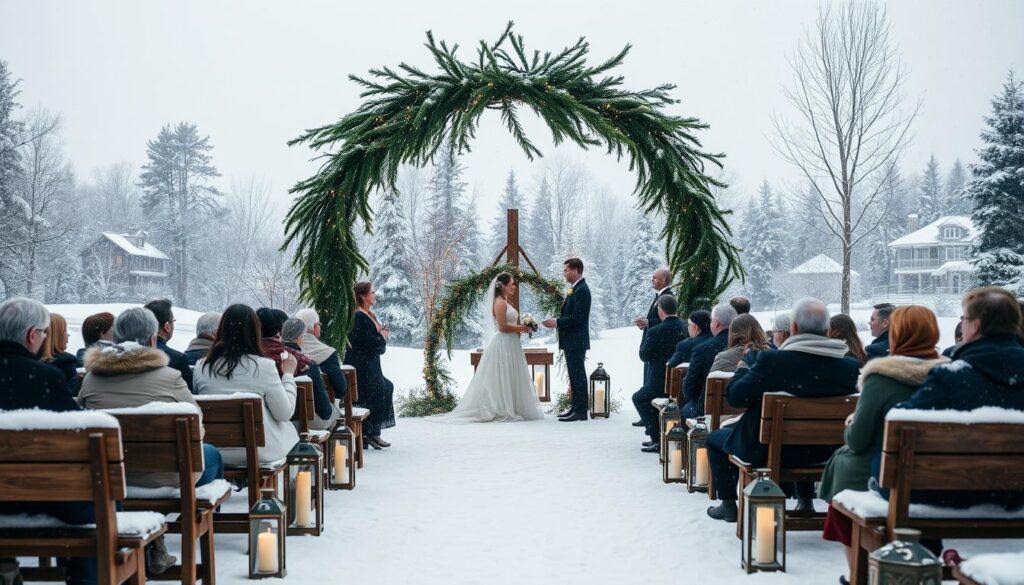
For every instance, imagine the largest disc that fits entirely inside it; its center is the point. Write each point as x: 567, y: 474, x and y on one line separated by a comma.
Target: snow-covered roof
x: 149, y: 273
x: 148, y: 250
x: 954, y: 266
x: 820, y: 264
x: 930, y: 234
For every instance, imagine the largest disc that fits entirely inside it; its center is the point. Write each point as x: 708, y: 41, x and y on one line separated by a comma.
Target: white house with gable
x: 935, y: 259
x: 820, y: 277
x: 123, y: 267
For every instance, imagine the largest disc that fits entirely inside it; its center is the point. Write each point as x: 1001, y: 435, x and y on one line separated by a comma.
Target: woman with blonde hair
x: 54, y: 351
x: 884, y: 382
x: 745, y: 335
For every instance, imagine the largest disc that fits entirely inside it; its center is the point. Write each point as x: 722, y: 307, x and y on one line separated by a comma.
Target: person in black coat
x: 574, y: 337
x: 808, y: 364
x: 26, y: 383
x: 879, y: 325
x: 657, y: 347
x: 987, y: 370
x: 368, y: 340
x: 692, y: 397
x: 698, y: 327
x: 165, y: 319
x: 660, y: 281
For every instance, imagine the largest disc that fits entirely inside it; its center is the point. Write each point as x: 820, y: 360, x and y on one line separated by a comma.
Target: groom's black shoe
x: 569, y: 412
x: 639, y: 423
x: 652, y: 448
x: 648, y: 443
x: 573, y: 417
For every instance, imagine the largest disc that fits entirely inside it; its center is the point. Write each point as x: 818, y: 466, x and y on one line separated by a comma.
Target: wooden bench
x: 940, y: 456
x: 236, y: 421
x: 789, y: 421
x: 354, y: 416
x: 82, y: 462
x: 305, y: 413
x: 170, y: 442
x: 674, y: 380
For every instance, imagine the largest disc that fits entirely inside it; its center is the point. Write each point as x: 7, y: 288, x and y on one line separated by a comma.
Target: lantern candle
x: 268, y: 552
x: 599, y: 401
x: 765, y: 553
x: 538, y: 383
x: 676, y: 464
x: 702, y: 466
x: 340, y: 463
x: 303, y: 501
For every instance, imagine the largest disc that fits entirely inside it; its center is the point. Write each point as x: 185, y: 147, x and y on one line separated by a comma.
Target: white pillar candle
x: 599, y: 401
x: 340, y: 463
x: 266, y: 547
x: 303, y: 499
x: 765, y: 535
x: 538, y: 383
x: 702, y: 466
x: 669, y: 425
x: 675, y: 464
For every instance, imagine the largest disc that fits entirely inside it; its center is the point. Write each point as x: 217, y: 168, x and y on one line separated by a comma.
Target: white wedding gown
x: 501, y: 388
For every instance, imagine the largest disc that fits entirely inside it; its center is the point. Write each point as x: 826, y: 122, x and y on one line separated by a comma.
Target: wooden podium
x: 539, y: 360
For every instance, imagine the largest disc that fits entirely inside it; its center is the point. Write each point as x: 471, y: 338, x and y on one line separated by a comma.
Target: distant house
x: 820, y: 277
x: 935, y: 259
x: 123, y: 266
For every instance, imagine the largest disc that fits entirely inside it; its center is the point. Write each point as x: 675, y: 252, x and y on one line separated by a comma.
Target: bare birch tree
x: 849, y: 126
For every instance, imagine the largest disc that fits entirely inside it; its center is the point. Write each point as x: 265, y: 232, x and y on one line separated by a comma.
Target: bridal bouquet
x: 530, y: 322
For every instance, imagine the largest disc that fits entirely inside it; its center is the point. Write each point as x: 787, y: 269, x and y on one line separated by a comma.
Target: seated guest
x: 741, y: 304
x: 780, y: 331
x: 745, y: 337
x: 96, y: 329
x: 26, y: 383
x: 843, y: 328
x: 206, y: 334
x: 235, y: 363
x: 327, y: 413
x: 883, y: 383
x: 133, y: 372
x: 808, y: 364
x: 879, y: 325
x: 165, y: 318
x: 958, y: 338
x: 271, y: 323
x: 324, y: 355
x: 987, y: 370
x: 698, y: 326
x: 655, y: 350
x: 54, y: 351
x: 703, y: 356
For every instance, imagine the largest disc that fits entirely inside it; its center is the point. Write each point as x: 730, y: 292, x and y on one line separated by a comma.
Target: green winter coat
x: 883, y: 383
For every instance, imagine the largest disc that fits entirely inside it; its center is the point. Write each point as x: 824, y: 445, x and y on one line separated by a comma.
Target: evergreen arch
x: 408, y: 114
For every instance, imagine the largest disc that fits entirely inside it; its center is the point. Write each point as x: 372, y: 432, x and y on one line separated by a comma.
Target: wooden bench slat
x: 38, y: 446
x: 160, y: 429
x: 806, y: 432
x: 159, y: 457
x: 958, y: 472
x: 958, y: 438
x: 21, y: 481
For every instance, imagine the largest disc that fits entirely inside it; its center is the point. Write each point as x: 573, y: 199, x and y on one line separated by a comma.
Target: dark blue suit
x: 657, y: 347
x: 701, y: 359
x: 574, y: 340
x: 178, y: 360
x: 879, y: 346
x: 653, y: 320
x: 685, y: 348
x: 778, y: 370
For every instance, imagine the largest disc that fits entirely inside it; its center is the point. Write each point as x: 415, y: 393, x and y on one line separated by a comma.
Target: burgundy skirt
x: 838, y: 527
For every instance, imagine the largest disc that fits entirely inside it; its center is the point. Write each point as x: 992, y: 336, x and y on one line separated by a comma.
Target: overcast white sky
x: 253, y: 74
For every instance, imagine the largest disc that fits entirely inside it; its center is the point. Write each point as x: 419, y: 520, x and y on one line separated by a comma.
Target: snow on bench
x: 157, y: 408
x: 870, y: 504
x: 995, y: 568
x: 46, y: 420
x: 210, y: 493
x: 984, y: 414
x: 720, y: 374
x: 135, y: 524
x: 233, y: 396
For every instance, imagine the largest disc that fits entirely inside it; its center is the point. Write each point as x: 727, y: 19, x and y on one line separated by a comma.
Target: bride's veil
x: 488, y: 326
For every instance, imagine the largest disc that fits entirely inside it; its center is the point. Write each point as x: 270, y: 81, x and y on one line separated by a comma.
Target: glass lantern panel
x: 265, y: 550
x: 765, y: 523
x: 340, y: 471
x: 674, y: 461
x: 302, y: 504
x: 700, y: 469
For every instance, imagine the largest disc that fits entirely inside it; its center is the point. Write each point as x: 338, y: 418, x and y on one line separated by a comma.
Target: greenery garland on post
x: 462, y: 296
x: 409, y: 113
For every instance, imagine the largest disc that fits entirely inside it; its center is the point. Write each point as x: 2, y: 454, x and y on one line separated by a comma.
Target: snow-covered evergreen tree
x: 12, y: 213
x: 511, y: 198
x: 179, y: 200
x: 539, y: 233
x: 762, y: 237
x: 956, y: 203
x: 470, y: 329
x: 396, y: 299
x: 645, y: 256
x: 879, y: 258
x: 930, y: 199
x: 997, y: 189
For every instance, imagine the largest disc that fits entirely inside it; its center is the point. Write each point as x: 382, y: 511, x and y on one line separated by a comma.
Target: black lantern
x: 541, y: 376
x: 675, y: 450
x: 764, y: 529
x: 698, y: 471
x: 341, y: 467
x: 600, y: 392
x: 305, y: 498
x: 669, y: 418
x: 904, y: 561
x: 266, y: 537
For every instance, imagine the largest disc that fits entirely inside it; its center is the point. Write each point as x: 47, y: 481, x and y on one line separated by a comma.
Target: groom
x: 574, y: 336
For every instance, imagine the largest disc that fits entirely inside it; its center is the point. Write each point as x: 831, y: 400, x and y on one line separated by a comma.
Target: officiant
x: 660, y: 281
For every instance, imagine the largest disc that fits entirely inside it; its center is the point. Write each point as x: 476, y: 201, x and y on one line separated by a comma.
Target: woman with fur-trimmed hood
x: 884, y: 382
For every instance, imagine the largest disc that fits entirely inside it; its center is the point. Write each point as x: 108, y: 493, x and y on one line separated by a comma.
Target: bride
x: 501, y: 389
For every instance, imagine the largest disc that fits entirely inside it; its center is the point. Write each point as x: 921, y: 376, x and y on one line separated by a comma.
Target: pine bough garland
x: 409, y: 113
